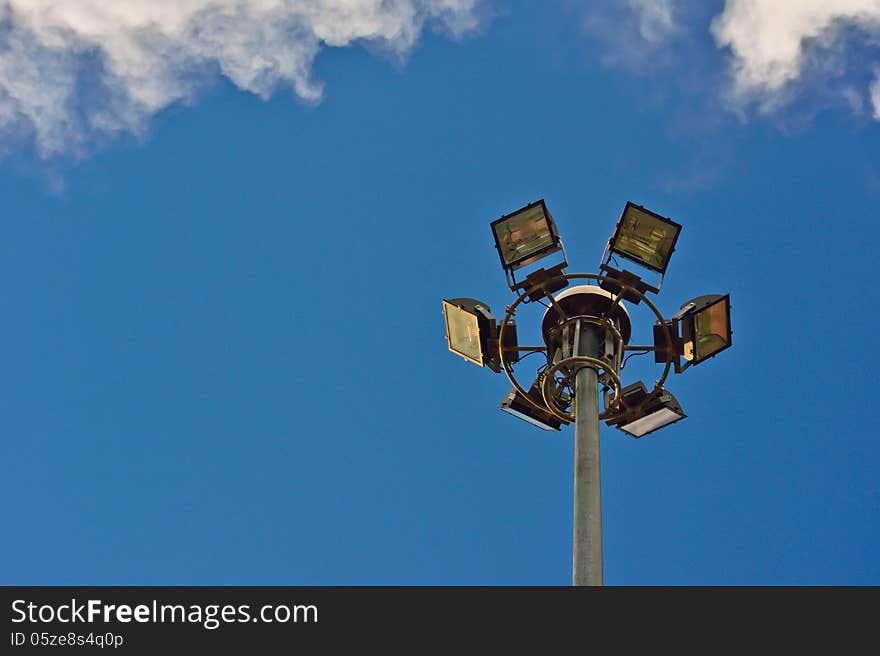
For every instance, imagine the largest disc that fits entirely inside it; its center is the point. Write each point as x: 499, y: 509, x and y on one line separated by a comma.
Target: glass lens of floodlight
x: 463, y: 333
x: 523, y: 234
x: 514, y: 404
x: 658, y: 419
x: 711, y: 330
x: 645, y: 238
x: 534, y: 421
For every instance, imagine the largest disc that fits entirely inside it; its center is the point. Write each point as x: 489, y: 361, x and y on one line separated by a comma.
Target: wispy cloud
x: 782, y: 46
x: 875, y: 93
x: 655, y: 19
x: 73, y: 71
x: 635, y: 33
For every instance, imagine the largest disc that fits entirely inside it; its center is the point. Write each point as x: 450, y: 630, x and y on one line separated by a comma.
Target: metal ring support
x: 586, y: 361
x: 603, y: 322
x: 511, y: 312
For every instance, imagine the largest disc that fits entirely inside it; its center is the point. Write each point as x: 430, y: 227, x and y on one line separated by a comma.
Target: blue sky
x: 224, y: 351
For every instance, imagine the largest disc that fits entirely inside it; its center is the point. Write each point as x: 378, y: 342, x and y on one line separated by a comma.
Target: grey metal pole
x: 587, y: 552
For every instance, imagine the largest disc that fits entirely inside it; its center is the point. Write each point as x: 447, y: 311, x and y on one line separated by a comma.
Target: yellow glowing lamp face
x: 645, y: 238
x: 711, y: 332
x: 522, y: 235
x: 463, y: 333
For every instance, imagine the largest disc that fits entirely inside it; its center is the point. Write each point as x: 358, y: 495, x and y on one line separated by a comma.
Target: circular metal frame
x: 597, y: 364
x: 603, y: 322
x: 624, y: 288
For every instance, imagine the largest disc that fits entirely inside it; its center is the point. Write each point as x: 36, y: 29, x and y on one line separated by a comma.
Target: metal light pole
x: 587, y: 550
x: 586, y: 331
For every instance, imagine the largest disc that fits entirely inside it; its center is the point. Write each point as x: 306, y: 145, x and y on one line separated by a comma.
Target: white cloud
x: 875, y: 93
x: 635, y: 34
x: 655, y: 18
x: 73, y: 70
x: 772, y: 42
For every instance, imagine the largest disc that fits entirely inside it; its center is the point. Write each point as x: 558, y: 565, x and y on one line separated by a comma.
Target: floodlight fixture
x: 472, y: 333
x: 705, y: 328
x: 469, y: 325
x: 700, y: 330
x: 526, y: 236
x: 531, y: 409
x: 646, y: 412
x: 644, y: 237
